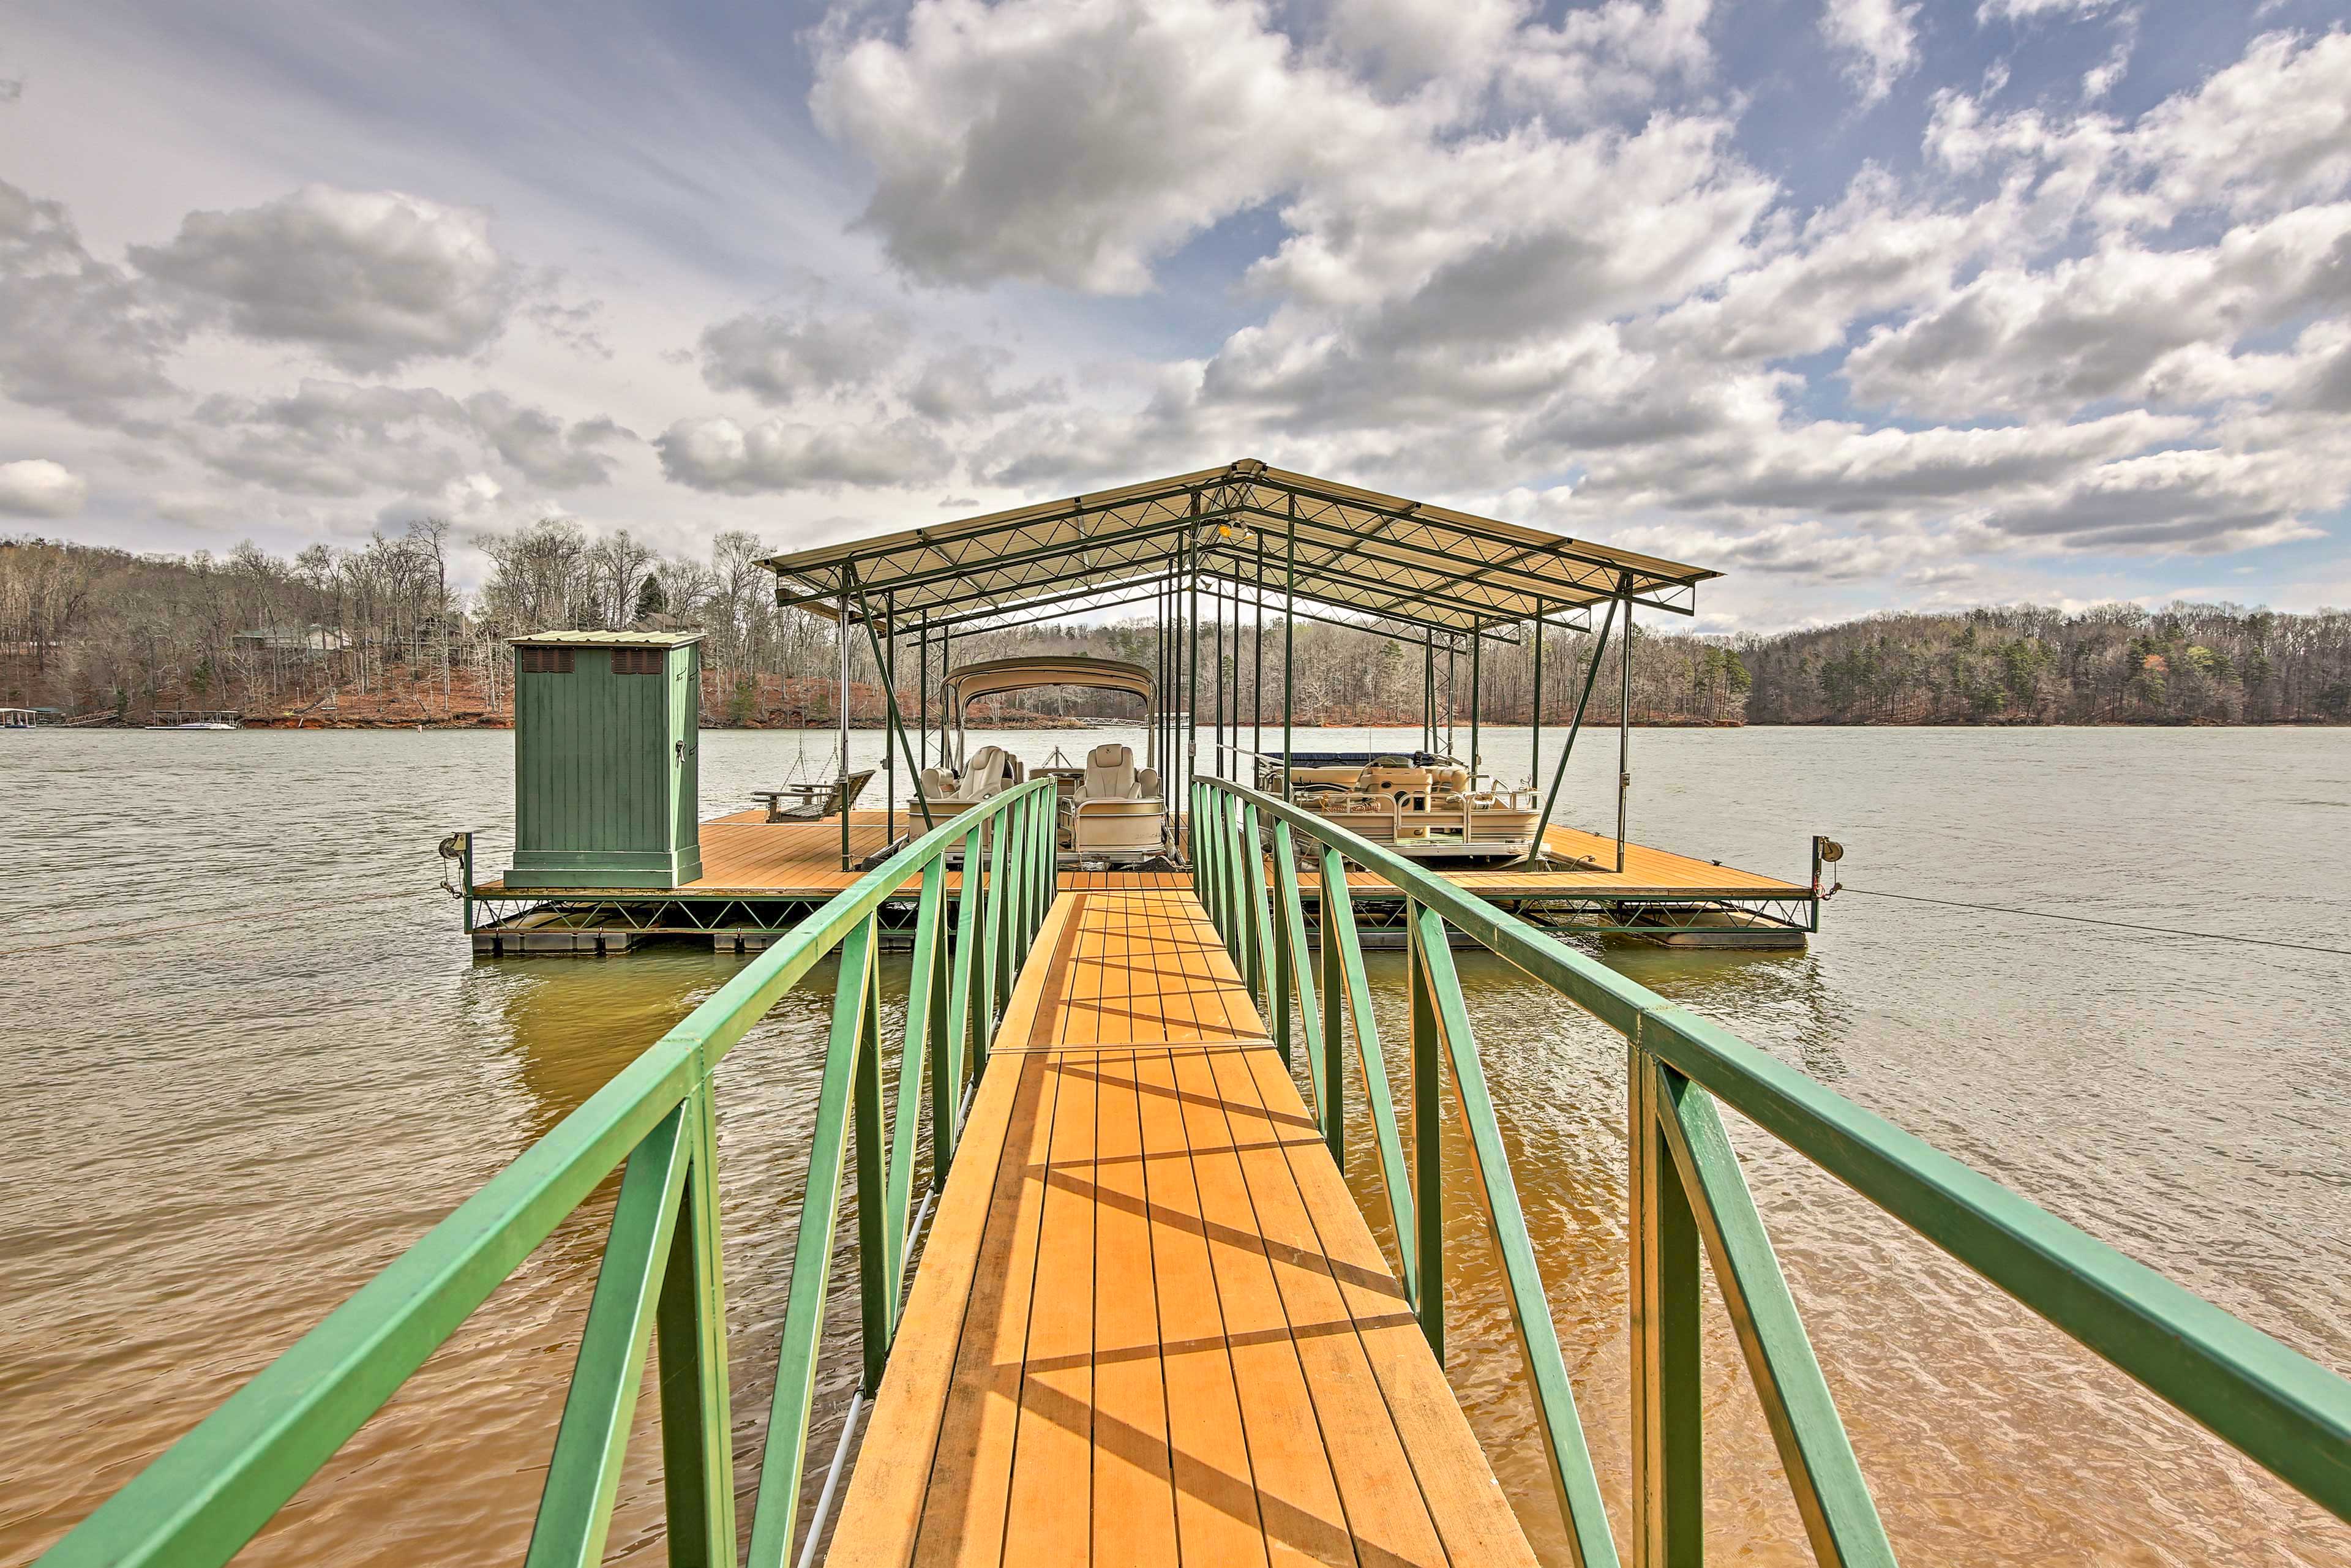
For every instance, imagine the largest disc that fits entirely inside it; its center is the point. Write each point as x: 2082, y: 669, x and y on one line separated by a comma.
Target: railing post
x: 1228, y: 826
x: 1427, y: 1121
x: 963, y: 1001
x: 1334, y: 981
x: 1261, y: 972
x: 697, y: 1425
x: 877, y: 1257
x: 1296, y: 972
x: 929, y: 981
x: 1668, y: 1494
x: 992, y: 958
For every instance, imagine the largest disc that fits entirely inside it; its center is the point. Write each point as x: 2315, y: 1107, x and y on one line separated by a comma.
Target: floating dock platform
x: 761, y: 878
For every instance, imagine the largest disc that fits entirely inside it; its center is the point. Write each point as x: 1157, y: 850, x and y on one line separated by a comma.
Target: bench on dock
x: 816, y: 800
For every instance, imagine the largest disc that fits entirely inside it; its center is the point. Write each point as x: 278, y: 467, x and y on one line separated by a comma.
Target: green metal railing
x: 213, y: 1490
x: 1687, y: 1191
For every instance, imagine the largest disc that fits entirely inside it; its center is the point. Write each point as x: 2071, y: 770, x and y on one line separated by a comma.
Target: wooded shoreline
x: 378, y: 637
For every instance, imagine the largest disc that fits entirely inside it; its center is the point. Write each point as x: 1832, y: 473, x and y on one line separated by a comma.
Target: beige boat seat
x: 1116, y: 810
x: 989, y: 772
x: 1110, y: 774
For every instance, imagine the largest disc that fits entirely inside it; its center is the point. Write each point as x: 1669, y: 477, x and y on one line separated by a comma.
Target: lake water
x: 251, y: 1093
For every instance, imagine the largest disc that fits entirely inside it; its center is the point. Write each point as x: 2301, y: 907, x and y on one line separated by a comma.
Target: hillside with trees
x: 380, y: 634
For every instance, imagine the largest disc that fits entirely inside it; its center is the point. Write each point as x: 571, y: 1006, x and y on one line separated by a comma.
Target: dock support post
x: 1668, y: 1492
x: 1217, y: 608
x: 1192, y: 665
x: 1624, y: 727
x: 840, y: 627
x: 1534, y: 741
x: 894, y: 727
x: 1428, y: 691
x: 1257, y: 679
x: 1477, y: 692
x: 1289, y: 619
x: 1574, y: 727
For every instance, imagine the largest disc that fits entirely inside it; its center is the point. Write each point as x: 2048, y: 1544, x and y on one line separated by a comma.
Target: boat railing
x: 660, y: 1277
x: 1686, y: 1190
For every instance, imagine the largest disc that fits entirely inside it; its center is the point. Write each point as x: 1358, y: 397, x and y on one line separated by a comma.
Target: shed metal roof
x: 1379, y: 556
x: 605, y: 639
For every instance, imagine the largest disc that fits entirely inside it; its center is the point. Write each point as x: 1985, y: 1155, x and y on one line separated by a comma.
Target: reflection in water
x: 235, y: 1127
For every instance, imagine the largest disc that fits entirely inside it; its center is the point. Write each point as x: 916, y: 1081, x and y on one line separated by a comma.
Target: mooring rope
x: 2094, y: 920
x: 116, y: 933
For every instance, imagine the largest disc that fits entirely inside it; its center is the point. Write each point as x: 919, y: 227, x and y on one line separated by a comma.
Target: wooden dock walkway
x: 1150, y: 1325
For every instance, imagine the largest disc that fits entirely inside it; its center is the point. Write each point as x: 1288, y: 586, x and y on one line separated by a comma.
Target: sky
x: 1870, y: 306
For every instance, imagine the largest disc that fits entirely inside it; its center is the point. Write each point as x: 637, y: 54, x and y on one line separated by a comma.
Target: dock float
x: 1150, y: 1323
x: 1153, y: 1325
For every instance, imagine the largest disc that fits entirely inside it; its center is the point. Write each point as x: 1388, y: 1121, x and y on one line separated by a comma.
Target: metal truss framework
x: 1356, y: 552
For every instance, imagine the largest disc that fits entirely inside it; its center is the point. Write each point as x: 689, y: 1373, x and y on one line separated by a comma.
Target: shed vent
x: 546, y: 660
x: 638, y: 661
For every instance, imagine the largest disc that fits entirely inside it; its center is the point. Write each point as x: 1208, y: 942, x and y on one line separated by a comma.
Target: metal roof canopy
x: 1381, y: 555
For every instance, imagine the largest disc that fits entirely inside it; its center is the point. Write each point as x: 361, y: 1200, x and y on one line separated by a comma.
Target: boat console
x: 1425, y: 805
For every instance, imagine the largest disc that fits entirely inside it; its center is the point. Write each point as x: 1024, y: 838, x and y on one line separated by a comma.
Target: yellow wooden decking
x: 1150, y: 1325
x: 745, y: 855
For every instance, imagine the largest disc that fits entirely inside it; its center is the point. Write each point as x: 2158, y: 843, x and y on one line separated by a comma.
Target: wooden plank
x: 963, y: 1507
x: 1133, y: 1476
x: 1296, y: 1496
x: 1048, y: 1518
x: 1458, y: 1486
x: 1367, y: 1455
x: 1217, y: 1514
x: 884, y: 1507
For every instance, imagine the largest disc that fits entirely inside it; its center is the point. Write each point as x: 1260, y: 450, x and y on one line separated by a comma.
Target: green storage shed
x: 607, y: 733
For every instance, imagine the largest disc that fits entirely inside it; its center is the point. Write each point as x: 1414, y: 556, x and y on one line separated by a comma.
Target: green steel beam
x: 1573, y: 1479
x: 207, y: 1495
x: 697, y: 1410
x: 583, y: 1475
x: 1840, y: 1518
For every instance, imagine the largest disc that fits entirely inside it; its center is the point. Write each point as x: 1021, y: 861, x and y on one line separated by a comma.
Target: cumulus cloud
x: 2055, y: 338
x: 779, y: 359
x: 961, y: 384
x: 1991, y: 11
x: 75, y: 333
x: 1075, y: 143
x: 370, y: 280
x: 1879, y: 39
x: 37, y: 487
x: 343, y: 440
x: 540, y: 447
x: 716, y: 453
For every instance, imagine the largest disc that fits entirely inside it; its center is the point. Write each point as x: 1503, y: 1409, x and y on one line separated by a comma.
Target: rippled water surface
x: 260, y: 1081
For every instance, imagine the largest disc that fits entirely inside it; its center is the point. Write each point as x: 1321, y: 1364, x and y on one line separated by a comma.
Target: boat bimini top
x: 1110, y: 809
x: 994, y: 677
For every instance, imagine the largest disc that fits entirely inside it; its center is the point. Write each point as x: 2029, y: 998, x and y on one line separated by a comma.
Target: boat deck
x: 1150, y: 1325
x: 746, y: 856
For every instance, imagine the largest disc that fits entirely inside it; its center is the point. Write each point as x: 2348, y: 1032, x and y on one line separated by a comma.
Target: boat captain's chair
x: 986, y: 775
x: 1110, y: 774
x: 1117, y: 811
